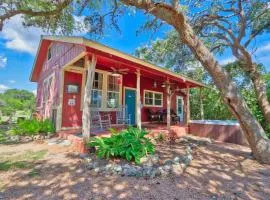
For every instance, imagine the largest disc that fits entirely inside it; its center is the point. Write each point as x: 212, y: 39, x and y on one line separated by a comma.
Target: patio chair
x: 122, y: 116
x: 153, y: 116
x: 99, y: 122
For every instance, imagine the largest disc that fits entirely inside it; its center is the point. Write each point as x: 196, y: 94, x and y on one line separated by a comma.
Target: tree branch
x: 11, y: 13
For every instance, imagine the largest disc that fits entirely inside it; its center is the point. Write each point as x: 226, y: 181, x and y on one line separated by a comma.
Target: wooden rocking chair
x: 122, y: 116
x: 98, y: 122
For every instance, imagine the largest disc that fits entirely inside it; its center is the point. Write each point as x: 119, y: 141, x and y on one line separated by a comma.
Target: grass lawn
x: 24, y: 160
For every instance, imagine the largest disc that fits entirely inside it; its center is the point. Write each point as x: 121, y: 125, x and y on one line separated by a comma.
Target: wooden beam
x: 138, y: 100
x: 201, y: 105
x: 168, y: 94
x: 187, y: 109
x: 87, y: 96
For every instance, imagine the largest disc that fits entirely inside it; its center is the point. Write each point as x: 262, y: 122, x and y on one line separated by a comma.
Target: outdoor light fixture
x: 115, y: 74
x: 155, y: 84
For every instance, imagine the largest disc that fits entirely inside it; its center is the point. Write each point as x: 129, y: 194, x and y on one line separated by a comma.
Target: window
x: 113, y: 93
x: 47, y: 87
x: 96, y: 95
x: 106, y: 91
x: 49, y: 55
x: 152, y: 98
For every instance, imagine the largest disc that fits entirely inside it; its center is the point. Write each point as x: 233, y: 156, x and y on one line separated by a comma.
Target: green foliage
x: 46, y: 126
x: 213, y: 106
x: 13, y: 100
x: 130, y: 144
x: 251, y: 100
x: 33, y: 127
x: 160, y: 137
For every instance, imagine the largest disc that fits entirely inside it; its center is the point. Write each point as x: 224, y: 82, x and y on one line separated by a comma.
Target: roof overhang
x: 46, y: 40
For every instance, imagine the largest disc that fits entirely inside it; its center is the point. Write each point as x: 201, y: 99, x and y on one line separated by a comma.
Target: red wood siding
x: 62, y: 53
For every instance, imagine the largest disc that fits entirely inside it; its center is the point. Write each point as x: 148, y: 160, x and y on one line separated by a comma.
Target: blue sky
x: 18, y: 47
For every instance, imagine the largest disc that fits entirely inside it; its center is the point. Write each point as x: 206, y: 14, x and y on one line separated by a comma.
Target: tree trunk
x: 229, y: 92
x: 87, y: 97
x: 259, y: 85
x: 261, y: 93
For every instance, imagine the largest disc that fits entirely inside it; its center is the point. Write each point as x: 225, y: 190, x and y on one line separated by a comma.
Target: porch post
x: 201, y: 105
x: 168, y: 105
x: 138, y: 100
x: 187, y: 118
x: 87, y: 95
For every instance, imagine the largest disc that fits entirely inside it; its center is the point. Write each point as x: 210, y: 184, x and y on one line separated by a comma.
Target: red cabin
x: 60, y: 69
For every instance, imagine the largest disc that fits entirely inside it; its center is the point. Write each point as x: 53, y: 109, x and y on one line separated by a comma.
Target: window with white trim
x: 96, y: 95
x: 106, y: 91
x: 113, y: 93
x: 152, y: 98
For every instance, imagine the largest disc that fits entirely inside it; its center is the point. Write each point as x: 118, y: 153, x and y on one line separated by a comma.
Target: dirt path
x: 218, y: 171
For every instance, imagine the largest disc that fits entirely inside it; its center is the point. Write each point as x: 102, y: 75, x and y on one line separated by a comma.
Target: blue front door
x: 130, y: 102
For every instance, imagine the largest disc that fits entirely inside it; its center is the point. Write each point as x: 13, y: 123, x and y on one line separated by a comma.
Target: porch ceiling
x: 106, y: 61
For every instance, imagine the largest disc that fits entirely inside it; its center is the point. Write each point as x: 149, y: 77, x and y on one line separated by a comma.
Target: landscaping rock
x: 151, y: 166
x: 150, y: 160
x: 92, y: 165
x: 177, y: 169
x: 117, y: 168
x: 15, y: 138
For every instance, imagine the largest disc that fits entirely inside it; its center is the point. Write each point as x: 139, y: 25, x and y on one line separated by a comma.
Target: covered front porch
x: 153, y: 96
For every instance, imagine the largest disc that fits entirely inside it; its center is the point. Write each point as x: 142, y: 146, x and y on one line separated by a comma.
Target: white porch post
x: 138, y: 100
x: 201, y: 104
x: 168, y: 106
x: 187, y: 114
x: 87, y: 96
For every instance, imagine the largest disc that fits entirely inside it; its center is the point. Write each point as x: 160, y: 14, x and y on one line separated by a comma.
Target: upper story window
x: 152, y: 98
x: 49, y: 54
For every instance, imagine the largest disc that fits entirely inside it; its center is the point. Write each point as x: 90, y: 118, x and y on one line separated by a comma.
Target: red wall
x: 72, y: 115
x: 222, y: 133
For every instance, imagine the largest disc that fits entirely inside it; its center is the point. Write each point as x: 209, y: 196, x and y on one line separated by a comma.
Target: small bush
x: 160, y: 137
x: 130, y: 144
x: 33, y: 127
x: 47, y: 127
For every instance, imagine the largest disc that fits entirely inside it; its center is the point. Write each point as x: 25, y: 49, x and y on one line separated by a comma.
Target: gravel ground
x: 218, y: 171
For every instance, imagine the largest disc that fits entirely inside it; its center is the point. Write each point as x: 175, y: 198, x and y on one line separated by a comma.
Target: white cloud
x: 20, y: 38
x: 12, y: 81
x: 264, y: 48
x: 227, y: 60
x: 26, y: 39
x: 3, y: 88
x: 3, y: 61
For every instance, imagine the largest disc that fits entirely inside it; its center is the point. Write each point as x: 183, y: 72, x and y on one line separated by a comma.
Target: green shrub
x: 47, y: 127
x: 130, y: 144
x: 32, y: 127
